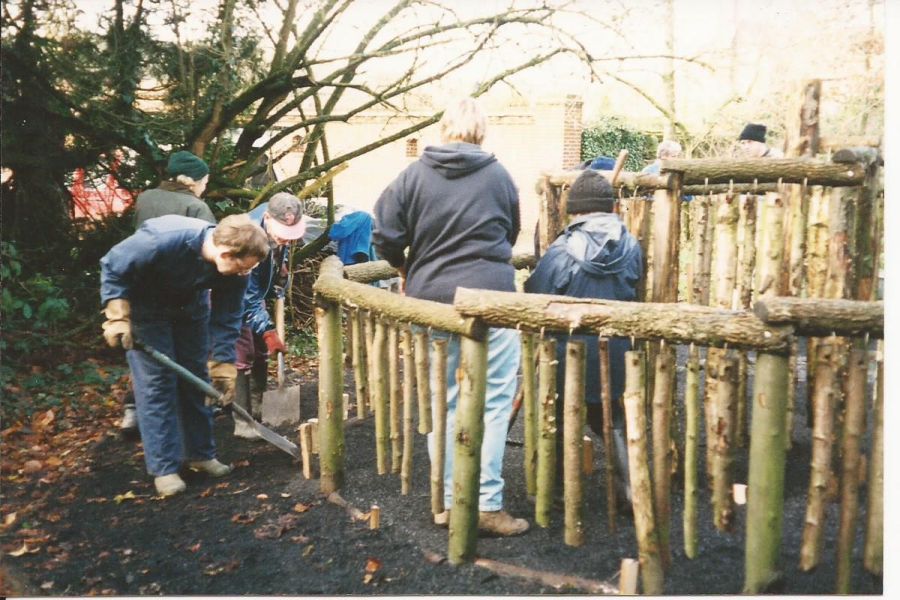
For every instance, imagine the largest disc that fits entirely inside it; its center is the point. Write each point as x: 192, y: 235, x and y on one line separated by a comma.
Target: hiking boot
x: 169, y: 485
x: 501, y: 523
x: 210, y: 467
x: 442, y: 519
x: 244, y: 430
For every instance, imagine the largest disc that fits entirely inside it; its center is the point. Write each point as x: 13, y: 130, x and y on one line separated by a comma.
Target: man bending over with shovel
x: 281, y: 220
x: 177, y: 285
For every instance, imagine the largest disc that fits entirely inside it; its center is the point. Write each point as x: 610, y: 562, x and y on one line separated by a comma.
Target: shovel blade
x: 281, y: 406
x: 280, y: 442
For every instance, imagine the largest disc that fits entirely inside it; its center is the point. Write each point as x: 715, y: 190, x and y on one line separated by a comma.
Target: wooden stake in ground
x: 368, y: 321
x: 306, y: 453
x: 608, y: 448
x: 662, y: 445
x: 529, y: 400
x: 409, y: 379
x: 467, y: 453
x: 639, y: 472
x: 360, y: 368
x: 331, y: 387
x: 546, y: 450
x: 395, y: 396
x: 573, y: 426
x: 854, y: 430
x: 824, y: 383
x: 723, y: 444
x: 691, y: 451
x: 423, y: 383
x: 873, y: 553
x: 380, y: 394
x: 439, y: 436
x: 628, y: 577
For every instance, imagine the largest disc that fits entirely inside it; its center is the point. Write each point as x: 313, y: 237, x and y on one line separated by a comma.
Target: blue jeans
x: 504, y: 355
x: 175, y: 424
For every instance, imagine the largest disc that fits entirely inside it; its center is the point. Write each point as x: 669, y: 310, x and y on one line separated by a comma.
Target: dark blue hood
x: 457, y: 159
x: 599, y: 244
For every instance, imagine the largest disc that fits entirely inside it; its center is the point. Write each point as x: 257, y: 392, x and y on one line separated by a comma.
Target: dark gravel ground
x: 265, y: 530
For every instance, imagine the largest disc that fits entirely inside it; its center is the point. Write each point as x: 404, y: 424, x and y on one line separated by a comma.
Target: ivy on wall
x: 609, y: 135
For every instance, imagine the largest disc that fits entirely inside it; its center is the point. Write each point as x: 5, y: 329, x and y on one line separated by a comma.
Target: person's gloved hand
x: 117, y: 327
x: 273, y: 342
x: 223, y: 376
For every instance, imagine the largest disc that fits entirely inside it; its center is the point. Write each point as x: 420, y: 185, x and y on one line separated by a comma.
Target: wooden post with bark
x: 652, y: 575
x: 467, y: 452
x: 552, y: 216
x: 608, y: 447
x: 701, y: 251
x: 380, y: 394
x: 573, y: 426
x: 439, y: 435
x: 691, y: 451
x: 529, y: 402
x: 662, y: 448
x: 723, y: 443
x: 360, y: 368
x: 369, y: 327
x: 666, y: 226
x: 423, y: 381
x: 406, y: 345
x: 873, y: 551
x: 331, y: 387
x: 853, y: 432
x: 746, y: 261
x: 546, y: 450
x: 395, y: 397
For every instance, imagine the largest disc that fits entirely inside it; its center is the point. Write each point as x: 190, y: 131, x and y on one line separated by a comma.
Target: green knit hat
x: 185, y: 163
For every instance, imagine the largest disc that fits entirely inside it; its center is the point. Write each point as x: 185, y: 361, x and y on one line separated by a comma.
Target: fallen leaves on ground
x: 216, y: 569
x: 301, y: 508
x: 245, y: 518
x: 373, y: 565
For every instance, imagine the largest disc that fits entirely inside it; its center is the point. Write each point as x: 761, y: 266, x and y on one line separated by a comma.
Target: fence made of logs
x: 818, y: 241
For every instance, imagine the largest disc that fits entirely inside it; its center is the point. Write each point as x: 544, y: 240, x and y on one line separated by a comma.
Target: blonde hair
x: 242, y: 237
x: 668, y: 149
x: 463, y: 121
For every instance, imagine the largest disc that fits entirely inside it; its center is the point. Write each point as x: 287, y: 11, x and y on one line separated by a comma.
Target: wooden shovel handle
x: 620, y: 162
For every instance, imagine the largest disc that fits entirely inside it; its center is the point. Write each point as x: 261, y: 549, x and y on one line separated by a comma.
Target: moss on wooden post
x: 439, y: 435
x: 467, y: 451
x: 360, y: 366
x: 639, y: 473
x: 529, y: 403
x: 662, y: 448
x: 546, y: 446
x: 380, y: 394
x: 331, y: 387
x: 691, y: 451
x: 765, y: 486
x: 423, y: 381
x: 409, y: 382
x: 573, y: 426
x: 608, y: 448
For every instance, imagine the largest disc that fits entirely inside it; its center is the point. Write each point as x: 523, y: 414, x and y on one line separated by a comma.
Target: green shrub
x: 610, y: 135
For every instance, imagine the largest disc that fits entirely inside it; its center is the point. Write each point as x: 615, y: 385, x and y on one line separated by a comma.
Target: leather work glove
x: 223, y: 376
x: 273, y: 342
x: 117, y: 327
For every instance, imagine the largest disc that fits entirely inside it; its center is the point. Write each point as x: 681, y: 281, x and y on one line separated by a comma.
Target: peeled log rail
x: 765, y: 170
x: 823, y: 317
x: 334, y: 288
x: 676, y: 323
x: 378, y: 270
x: 626, y: 179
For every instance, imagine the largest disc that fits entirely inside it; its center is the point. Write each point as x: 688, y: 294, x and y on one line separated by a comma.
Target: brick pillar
x: 572, y: 127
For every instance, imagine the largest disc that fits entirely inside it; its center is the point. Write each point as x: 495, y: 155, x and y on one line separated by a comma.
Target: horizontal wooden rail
x: 625, y: 180
x: 377, y: 270
x: 676, y: 323
x: 766, y: 170
x: 821, y: 317
x: 331, y: 286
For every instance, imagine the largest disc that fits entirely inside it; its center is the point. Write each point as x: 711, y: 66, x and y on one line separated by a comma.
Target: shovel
x: 281, y: 405
x: 267, y: 434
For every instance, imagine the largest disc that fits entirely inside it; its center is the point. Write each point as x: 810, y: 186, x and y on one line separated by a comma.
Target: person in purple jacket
x: 455, y: 212
x: 177, y: 284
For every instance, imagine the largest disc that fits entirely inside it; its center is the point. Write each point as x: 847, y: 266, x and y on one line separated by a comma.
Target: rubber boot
x: 258, y: 379
x: 242, y: 429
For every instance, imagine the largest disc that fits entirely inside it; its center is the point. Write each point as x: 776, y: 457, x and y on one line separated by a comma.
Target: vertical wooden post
x: 423, y: 383
x: 439, y: 435
x: 698, y: 266
x: 723, y: 444
x: 368, y: 320
x: 552, y: 217
x: 666, y: 227
x: 608, y: 448
x: 691, y: 450
x: 529, y: 402
x: 746, y: 265
x: 628, y: 577
x: 854, y: 430
x: 331, y: 387
x: 467, y: 452
x: 795, y: 228
x: 640, y: 229
x: 816, y: 264
x: 409, y: 379
x: 823, y: 383
x: 873, y: 552
x: 380, y: 394
x: 306, y: 453
x: 394, y: 397
x: 765, y: 486
x: 546, y: 450
x: 662, y: 449
x: 360, y: 368
x: 573, y: 426
x: 639, y: 473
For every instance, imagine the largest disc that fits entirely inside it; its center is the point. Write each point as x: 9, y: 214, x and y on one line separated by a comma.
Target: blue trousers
x: 175, y: 424
x: 504, y: 355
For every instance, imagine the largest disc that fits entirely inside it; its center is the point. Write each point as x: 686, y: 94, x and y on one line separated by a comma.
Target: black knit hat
x: 754, y: 132
x: 186, y: 163
x: 591, y: 192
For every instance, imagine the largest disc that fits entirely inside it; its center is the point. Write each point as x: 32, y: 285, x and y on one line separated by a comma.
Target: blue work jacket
x: 263, y: 280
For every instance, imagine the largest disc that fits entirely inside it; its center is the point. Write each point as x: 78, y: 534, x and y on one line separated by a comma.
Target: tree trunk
x: 331, y: 387
x: 765, y: 486
x: 873, y: 553
x: 820, y: 465
x: 652, y: 575
x: 360, y: 370
x: 467, y: 452
x: 439, y: 436
x: 408, y: 395
x: 765, y: 170
x: 395, y: 393
x: 854, y: 430
x: 423, y: 381
x: 662, y: 444
x: 546, y: 450
x: 573, y: 426
x: 381, y: 394
x: 529, y: 402
x: 608, y: 448
x: 691, y: 450
x: 723, y: 444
